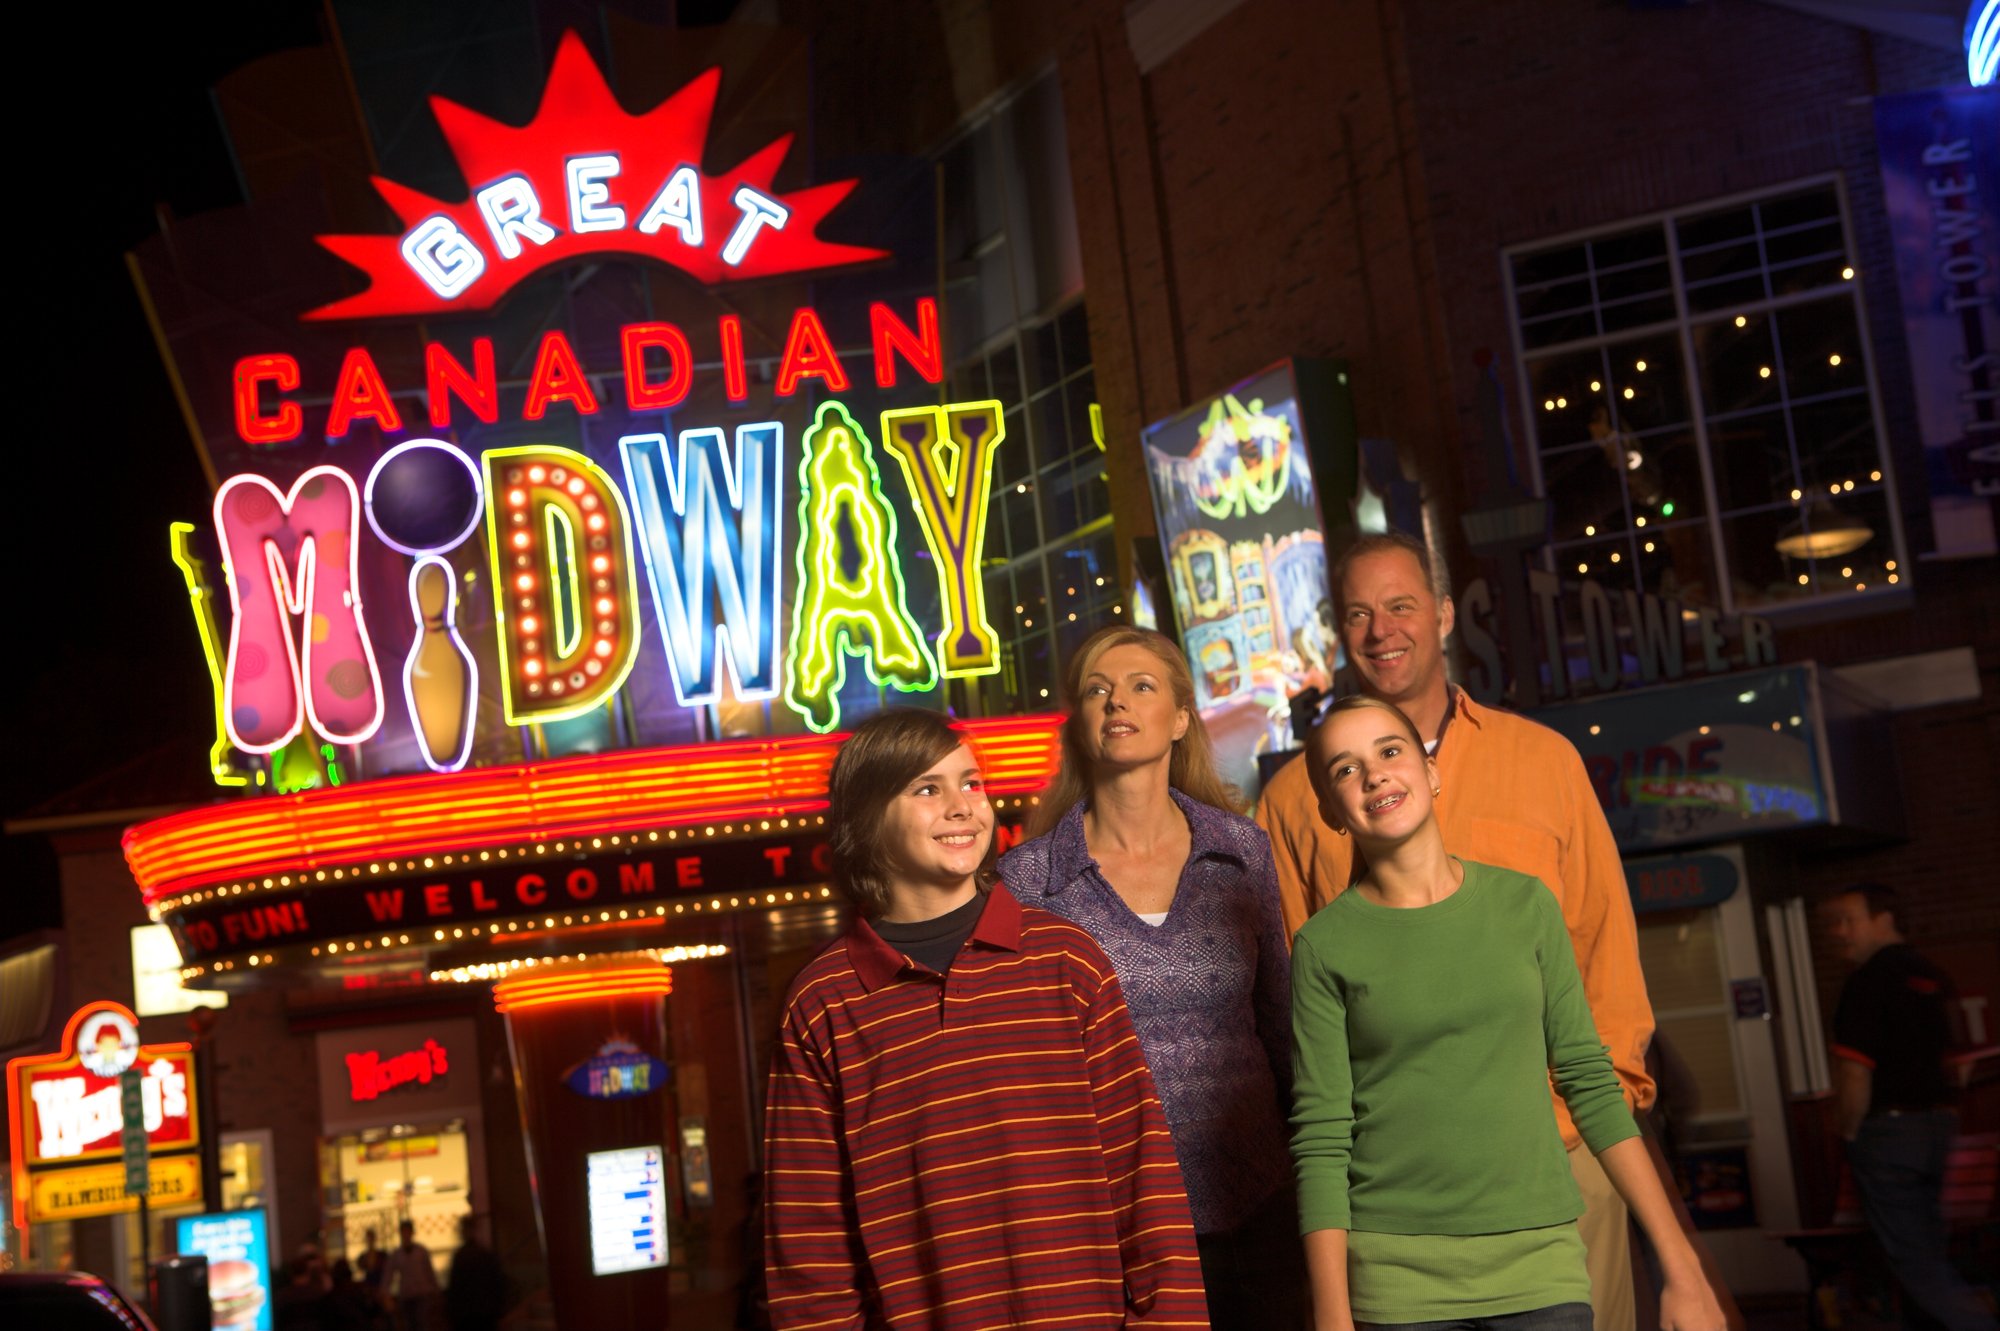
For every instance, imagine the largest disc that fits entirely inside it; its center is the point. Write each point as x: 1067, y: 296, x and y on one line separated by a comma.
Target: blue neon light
x: 1982, y: 41
x: 708, y: 528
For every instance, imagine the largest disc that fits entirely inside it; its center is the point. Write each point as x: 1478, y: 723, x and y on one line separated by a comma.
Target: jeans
x: 1255, y: 1274
x: 1562, y: 1317
x: 1899, y: 1162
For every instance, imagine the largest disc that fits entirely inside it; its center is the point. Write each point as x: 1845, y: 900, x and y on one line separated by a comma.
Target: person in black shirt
x: 1894, y: 1102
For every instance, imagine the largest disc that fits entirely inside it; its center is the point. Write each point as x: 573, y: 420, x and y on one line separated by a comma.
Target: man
x: 475, y: 1299
x: 1515, y: 795
x: 410, y: 1281
x: 1893, y: 1101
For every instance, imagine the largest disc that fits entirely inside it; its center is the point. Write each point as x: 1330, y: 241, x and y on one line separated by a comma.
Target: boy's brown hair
x: 884, y: 754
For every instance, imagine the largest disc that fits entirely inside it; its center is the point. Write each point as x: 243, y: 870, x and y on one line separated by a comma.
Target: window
x: 1703, y: 416
x: 1013, y: 291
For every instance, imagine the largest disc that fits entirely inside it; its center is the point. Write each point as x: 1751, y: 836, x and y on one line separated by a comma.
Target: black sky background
x: 103, y: 662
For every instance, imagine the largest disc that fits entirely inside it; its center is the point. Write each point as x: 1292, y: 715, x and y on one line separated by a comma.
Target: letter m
x: 708, y: 528
x: 298, y: 647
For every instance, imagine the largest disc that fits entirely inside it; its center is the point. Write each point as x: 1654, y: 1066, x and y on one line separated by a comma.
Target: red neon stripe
x: 1853, y: 1056
x: 636, y: 790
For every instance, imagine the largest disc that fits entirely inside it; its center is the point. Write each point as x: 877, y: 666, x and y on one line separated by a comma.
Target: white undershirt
x: 1156, y: 918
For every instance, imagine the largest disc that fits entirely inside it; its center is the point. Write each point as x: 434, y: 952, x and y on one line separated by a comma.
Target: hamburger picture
x: 235, y: 1293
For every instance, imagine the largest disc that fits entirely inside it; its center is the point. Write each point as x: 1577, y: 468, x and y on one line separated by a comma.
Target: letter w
x: 1957, y: 226
x: 708, y: 527
x: 1656, y: 635
x: 291, y: 557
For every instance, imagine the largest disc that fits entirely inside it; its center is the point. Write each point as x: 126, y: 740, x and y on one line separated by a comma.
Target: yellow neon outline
x: 539, y: 711
x: 561, y: 536
x: 1242, y: 489
x: 824, y: 601
x: 202, y: 601
x: 947, y: 476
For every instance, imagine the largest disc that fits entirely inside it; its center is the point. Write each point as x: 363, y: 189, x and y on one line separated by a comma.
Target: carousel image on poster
x: 1245, y: 552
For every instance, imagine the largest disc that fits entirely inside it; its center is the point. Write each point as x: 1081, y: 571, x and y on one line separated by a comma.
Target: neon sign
x: 947, y: 456
x: 709, y: 520
x: 369, y: 1074
x: 292, y: 576
x: 265, y: 414
x: 639, y: 191
x: 65, y: 1117
x: 562, y: 581
x: 850, y: 589
x: 722, y: 545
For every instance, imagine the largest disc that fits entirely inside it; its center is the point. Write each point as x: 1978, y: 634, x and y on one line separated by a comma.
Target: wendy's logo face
x: 110, y: 1046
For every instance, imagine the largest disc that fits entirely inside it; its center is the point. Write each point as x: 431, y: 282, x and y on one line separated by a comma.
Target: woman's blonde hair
x: 1191, y: 769
x: 884, y: 754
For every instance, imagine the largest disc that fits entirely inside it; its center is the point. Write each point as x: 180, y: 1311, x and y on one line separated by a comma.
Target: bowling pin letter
x: 440, y: 678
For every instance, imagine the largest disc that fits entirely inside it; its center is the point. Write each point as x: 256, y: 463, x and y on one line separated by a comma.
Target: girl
x: 1431, y: 1002
x: 1141, y: 844
x: 961, y: 1132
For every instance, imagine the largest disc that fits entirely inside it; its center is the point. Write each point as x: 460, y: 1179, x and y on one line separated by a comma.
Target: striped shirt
x: 981, y: 1149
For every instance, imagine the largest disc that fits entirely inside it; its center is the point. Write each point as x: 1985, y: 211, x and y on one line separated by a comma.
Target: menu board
x: 628, y: 1209
x: 237, y: 1246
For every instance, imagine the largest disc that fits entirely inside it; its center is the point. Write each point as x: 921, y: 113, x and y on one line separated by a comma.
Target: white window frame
x: 1822, y: 604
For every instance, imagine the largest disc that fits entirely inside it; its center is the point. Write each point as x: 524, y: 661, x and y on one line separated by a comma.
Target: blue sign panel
x: 1705, y: 760
x: 237, y: 1245
x: 616, y: 1071
x: 1940, y: 155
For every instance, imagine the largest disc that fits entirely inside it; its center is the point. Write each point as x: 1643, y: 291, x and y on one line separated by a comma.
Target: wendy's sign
x: 65, y: 1120
x: 584, y: 178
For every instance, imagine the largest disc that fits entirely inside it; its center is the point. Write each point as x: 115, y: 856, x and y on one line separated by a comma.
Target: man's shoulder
x: 1498, y: 726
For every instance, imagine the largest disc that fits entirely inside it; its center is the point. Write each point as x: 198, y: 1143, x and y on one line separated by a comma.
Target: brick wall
x: 267, y: 1078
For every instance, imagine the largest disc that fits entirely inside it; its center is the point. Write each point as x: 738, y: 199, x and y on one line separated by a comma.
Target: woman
x: 1139, y: 841
x: 961, y: 1132
x: 1431, y: 1002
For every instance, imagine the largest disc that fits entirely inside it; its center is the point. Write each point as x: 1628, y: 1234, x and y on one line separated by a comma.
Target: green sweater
x: 1424, y: 1042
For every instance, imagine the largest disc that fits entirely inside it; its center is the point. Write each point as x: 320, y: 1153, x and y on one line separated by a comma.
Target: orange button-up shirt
x: 1515, y: 796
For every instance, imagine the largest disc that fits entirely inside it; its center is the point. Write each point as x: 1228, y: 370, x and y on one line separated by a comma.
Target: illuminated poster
x: 1235, y: 493
x: 237, y: 1245
x: 65, y: 1116
x: 628, y: 1209
x: 1940, y: 155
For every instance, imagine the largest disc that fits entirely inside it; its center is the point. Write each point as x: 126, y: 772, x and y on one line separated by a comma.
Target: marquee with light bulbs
x: 390, y: 592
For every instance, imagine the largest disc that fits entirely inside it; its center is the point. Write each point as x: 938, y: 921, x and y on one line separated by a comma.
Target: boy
x: 961, y: 1130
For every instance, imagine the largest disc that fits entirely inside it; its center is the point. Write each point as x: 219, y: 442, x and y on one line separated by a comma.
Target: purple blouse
x: 1209, y: 991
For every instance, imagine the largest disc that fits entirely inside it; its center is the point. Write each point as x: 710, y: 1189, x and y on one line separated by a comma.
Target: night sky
x: 105, y: 663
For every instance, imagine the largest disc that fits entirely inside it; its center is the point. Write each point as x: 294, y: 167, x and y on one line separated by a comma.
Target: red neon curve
x: 579, y: 115
x: 633, y: 790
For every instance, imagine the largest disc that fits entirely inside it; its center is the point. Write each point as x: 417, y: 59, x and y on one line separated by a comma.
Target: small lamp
x: 1823, y: 532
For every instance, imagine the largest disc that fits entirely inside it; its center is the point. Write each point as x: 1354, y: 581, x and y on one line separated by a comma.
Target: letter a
x: 850, y: 589
x: 947, y: 455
